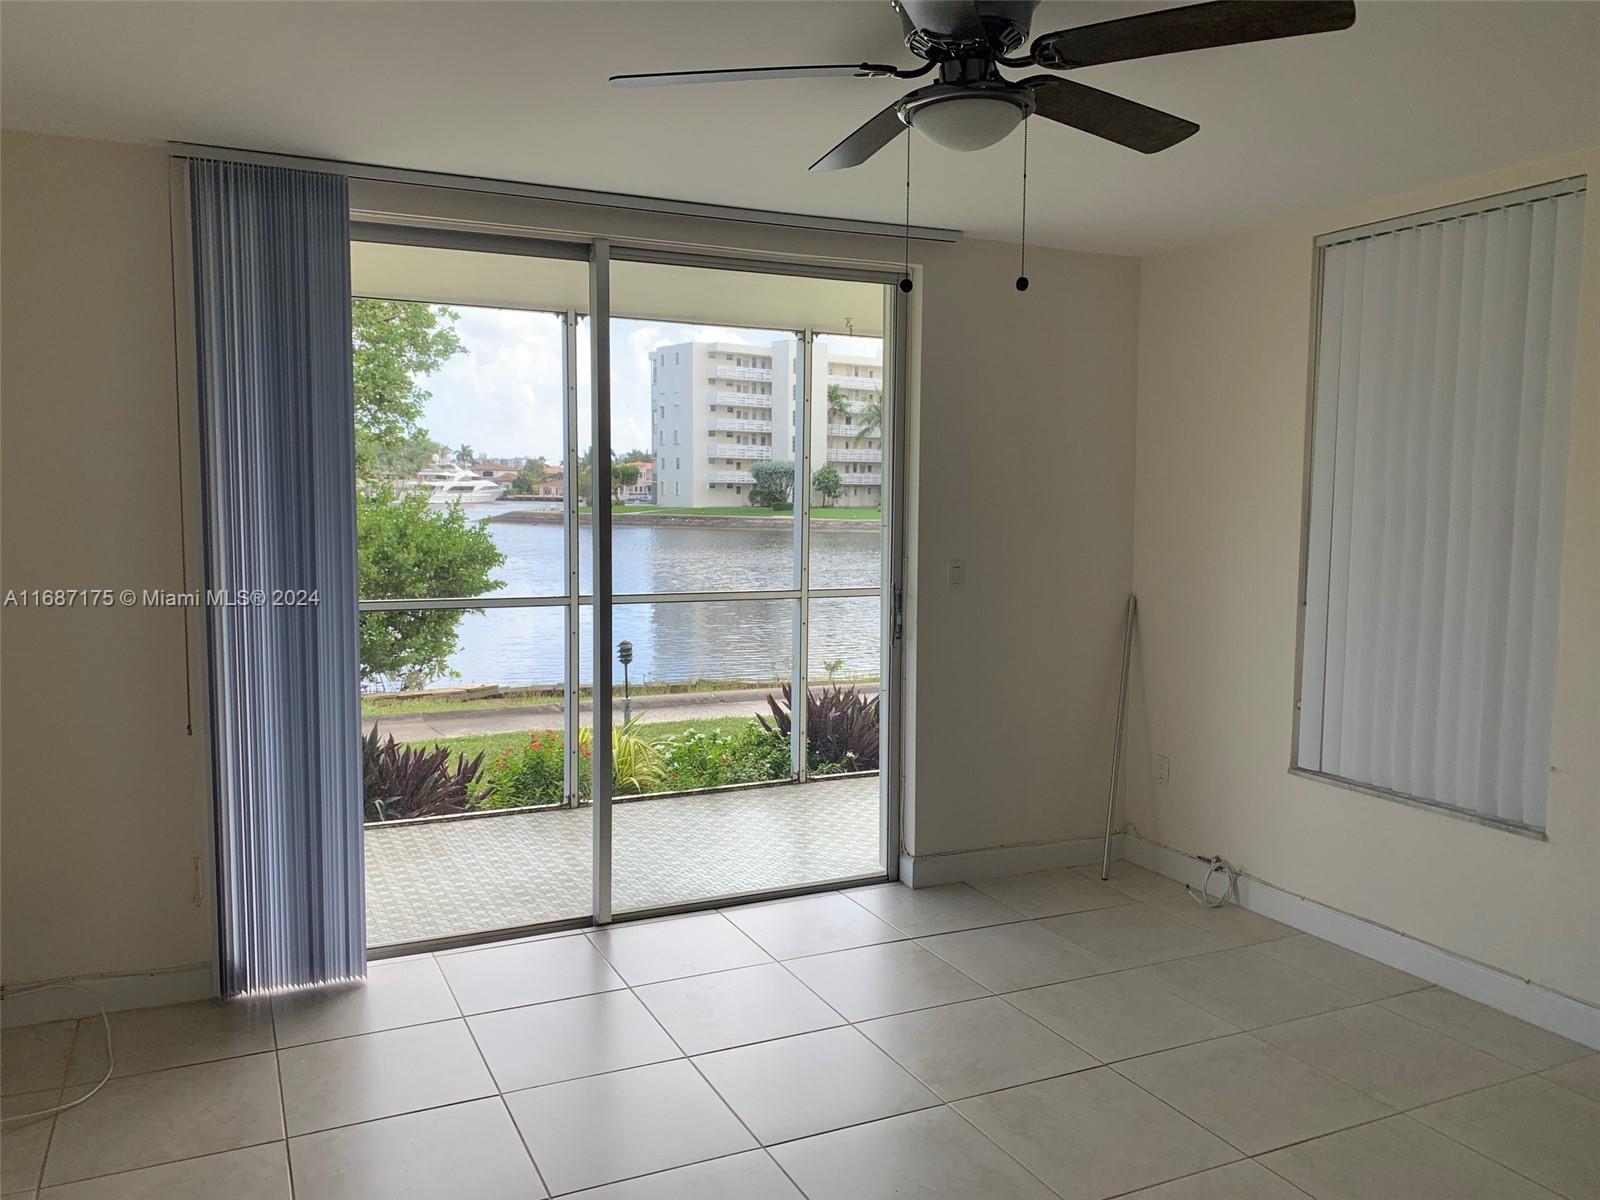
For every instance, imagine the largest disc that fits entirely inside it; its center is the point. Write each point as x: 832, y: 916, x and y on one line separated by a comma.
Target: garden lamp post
x: 625, y: 656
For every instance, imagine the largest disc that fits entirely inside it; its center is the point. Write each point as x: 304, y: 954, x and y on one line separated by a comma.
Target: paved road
x: 415, y: 727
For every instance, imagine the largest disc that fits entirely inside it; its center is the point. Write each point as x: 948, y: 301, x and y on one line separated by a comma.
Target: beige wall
x: 1224, y: 351
x: 102, y: 792
x: 1023, y: 444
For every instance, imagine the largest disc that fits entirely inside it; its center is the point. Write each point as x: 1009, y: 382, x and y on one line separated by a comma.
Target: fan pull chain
x: 905, y: 281
x: 1022, y: 266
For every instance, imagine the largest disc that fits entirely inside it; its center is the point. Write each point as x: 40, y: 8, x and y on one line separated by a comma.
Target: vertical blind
x: 272, y: 308
x: 1443, y: 386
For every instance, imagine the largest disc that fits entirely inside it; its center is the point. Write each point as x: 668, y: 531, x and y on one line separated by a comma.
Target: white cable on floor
x: 110, y: 1062
x: 1202, y: 894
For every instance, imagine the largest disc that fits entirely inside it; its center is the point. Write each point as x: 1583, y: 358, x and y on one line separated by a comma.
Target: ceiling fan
x: 972, y: 105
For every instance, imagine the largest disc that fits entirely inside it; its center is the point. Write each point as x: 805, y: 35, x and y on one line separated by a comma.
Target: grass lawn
x: 492, y: 743
x: 551, y: 697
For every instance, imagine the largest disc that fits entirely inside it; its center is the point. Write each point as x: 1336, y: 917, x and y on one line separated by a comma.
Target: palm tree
x: 464, y: 455
x: 871, y: 413
x: 838, y: 404
x: 871, y: 419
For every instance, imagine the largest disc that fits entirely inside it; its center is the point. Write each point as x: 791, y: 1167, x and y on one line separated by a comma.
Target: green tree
x: 840, y: 412
x: 404, y: 459
x: 623, y: 475
x: 838, y: 405
x: 395, y: 343
x: 464, y: 455
x: 406, y: 548
x: 774, y: 485
x: 871, y: 423
x: 827, y: 484
x: 532, y: 474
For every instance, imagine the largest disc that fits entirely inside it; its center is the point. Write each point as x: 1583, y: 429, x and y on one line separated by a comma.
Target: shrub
x: 531, y: 775
x: 773, y: 485
x: 401, y: 781
x: 707, y: 758
x: 841, y: 728
x: 635, y: 760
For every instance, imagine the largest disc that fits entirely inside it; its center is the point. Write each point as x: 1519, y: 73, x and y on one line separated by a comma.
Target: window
x: 1442, y: 394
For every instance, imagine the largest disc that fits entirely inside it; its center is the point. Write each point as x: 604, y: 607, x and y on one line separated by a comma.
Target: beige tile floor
x: 1019, y: 1039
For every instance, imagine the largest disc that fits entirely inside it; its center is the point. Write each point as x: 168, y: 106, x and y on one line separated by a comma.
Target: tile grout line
x: 168, y: 1162
x: 1021, y: 1166
x: 1521, y: 1073
x: 500, y: 1095
x: 1246, y: 1033
x: 55, y: 1118
x: 283, y: 1104
x: 1448, y: 1136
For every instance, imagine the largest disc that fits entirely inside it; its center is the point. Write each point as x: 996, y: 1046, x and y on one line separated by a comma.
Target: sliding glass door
x: 720, y: 382
x: 714, y: 494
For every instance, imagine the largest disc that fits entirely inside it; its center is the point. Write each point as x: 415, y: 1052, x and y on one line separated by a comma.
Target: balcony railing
x: 732, y: 450
x: 853, y: 431
x: 875, y: 479
x: 841, y: 454
x: 738, y: 425
x: 720, y: 371
x: 856, y: 381
x: 747, y: 399
x: 729, y: 477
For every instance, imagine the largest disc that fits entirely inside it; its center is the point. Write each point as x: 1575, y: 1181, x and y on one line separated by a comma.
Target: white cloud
x: 503, y: 397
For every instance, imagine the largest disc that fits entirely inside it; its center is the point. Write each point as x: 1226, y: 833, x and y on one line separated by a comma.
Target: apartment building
x: 718, y: 408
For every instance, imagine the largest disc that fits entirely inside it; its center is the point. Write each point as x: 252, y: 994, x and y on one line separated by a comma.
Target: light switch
x: 958, y: 572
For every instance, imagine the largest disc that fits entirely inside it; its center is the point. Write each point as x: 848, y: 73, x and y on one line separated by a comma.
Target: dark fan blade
x: 952, y: 18
x: 864, y: 142
x: 742, y: 74
x: 1195, y: 27
x: 1137, y: 126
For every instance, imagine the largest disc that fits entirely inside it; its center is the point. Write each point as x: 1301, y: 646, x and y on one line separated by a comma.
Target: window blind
x: 272, y: 311
x: 1442, y: 396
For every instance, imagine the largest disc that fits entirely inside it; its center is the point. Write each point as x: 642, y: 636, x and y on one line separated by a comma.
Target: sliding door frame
x: 600, y: 253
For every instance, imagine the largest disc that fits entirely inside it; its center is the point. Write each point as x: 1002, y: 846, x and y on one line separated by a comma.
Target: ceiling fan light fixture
x: 971, y: 121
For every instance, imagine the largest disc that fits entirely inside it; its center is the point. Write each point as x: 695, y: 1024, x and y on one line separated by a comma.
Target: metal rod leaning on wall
x: 1116, y: 740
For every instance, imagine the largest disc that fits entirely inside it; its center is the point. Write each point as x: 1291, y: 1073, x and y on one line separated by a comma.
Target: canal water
x: 746, y: 640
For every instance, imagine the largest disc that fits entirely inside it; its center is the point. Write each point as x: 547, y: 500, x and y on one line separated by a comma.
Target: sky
x: 503, y: 397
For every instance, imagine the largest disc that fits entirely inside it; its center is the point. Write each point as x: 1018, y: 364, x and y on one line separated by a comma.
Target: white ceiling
x: 1414, y: 94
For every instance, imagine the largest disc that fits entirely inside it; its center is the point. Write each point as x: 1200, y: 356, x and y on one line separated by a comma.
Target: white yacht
x: 449, y: 483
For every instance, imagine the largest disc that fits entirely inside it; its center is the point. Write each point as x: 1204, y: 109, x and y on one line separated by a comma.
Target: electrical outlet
x: 1163, y: 770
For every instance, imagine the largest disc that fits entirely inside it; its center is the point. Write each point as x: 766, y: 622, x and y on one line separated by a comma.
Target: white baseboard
x: 146, y: 989
x: 933, y: 869
x: 1538, y: 1005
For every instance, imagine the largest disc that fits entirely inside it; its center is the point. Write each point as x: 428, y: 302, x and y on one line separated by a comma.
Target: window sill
x: 1461, y: 814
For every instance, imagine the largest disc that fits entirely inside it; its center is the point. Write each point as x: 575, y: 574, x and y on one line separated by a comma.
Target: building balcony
x: 855, y: 381
x: 746, y: 399
x: 729, y: 477
x: 736, y: 425
x: 874, y: 479
x: 716, y: 450
x: 841, y: 454
x: 763, y: 374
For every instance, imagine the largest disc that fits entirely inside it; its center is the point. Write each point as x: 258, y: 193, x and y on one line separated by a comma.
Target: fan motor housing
x: 944, y: 93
